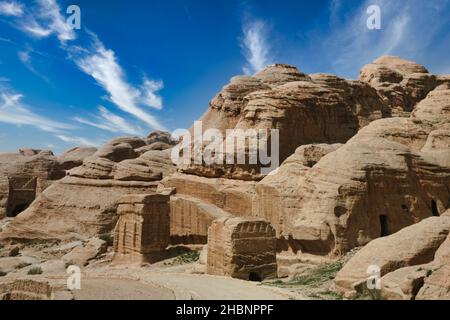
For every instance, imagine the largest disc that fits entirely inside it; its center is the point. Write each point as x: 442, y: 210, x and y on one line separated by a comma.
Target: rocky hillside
x: 365, y: 163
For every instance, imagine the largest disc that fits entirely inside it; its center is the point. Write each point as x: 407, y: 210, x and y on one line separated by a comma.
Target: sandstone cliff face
x: 393, y: 173
x: 26, y: 174
x: 413, y: 263
x: 84, y: 203
x: 401, y: 83
x: 305, y: 109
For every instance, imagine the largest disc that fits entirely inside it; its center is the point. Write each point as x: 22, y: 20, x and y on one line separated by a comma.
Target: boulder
x: 407, y: 260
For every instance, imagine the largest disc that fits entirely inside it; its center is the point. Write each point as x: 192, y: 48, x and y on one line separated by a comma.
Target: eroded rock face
x: 25, y: 289
x: 393, y: 173
x: 413, y: 263
x: 305, y: 109
x: 84, y: 203
x: 26, y: 174
x: 401, y: 83
x: 143, y: 228
x: 242, y: 248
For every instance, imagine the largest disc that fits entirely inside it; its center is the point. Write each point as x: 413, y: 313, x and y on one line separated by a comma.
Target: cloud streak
x: 13, y: 111
x: 47, y: 21
x: 101, y: 64
x: 108, y: 121
x: 11, y: 8
x: 350, y: 44
x: 255, y: 46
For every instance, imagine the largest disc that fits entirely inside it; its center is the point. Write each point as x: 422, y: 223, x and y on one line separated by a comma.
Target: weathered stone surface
x: 401, y: 83
x: 416, y: 245
x: 84, y: 204
x: 74, y: 157
x: 25, y: 289
x: 26, y: 174
x: 81, y: 255
x: 191, y: 218
x: 305, y: 110
x: 242, y: 248
x: 389, y: 176
x: 143, y: 229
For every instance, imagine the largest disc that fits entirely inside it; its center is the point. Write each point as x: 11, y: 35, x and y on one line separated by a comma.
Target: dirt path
x: 120, y: 289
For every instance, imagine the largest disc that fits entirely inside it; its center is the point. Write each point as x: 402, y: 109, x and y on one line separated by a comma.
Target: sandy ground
x: 120, y: 289
x: 157, y: 285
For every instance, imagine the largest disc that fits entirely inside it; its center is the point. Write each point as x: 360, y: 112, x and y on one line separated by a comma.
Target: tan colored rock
x: 400, y: 82
x: 84, y: 204
x: 191, y: 218
x: 387, y: 177
x: 404, y: 283
x: 74, y: 157
x: 437, y: 285
x: 81, y: 255
x: 25, y: 289
x: 26, y: 174
x: 242, y: 248
x: 305, y: 110
x: 413, y: 246
x: 143, y: 229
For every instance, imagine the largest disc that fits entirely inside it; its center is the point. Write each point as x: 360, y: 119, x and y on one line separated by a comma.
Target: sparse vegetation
x: 316, y: 282
x: 108, y: 238
x: 368, y: 294
x: 35, y: 271
x: 23, y: 265
x: 185, y: 258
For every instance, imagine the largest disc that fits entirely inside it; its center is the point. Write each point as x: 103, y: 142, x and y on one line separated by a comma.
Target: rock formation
x: 393, y: 173
x: 305, y: 109
x: 143, y: 229
x: 361, y: 160
x: 413, y: 263
x: 26, y: 174
x: 83, y: 204
x: 401, y: 83
x: 242, y: 248
x: 25, y: 289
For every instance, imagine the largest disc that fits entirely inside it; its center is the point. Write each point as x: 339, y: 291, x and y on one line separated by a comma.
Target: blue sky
x: 135, y: 66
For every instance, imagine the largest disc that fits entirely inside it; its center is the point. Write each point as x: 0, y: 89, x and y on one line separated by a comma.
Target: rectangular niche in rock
x: 142, y: 232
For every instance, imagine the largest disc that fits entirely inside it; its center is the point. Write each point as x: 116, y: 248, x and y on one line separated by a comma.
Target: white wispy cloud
x: 79, y: 141
x: 48, y: 20
x: 255, y: 46
x: 11, y: 8
x: 350, y: 44
x: 13, y: 111
x: 101, y: 64
x: 149, y: 96
x: 108, y: 121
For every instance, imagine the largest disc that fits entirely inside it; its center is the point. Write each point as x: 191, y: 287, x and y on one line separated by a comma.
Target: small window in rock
x: 384, y: 226
x: 254, y: 276
x: 434, y: 208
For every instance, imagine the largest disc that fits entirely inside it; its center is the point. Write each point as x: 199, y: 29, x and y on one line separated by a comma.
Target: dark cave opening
x: 384, y: 226
x: 434, y: 208
x: 19, y: 208
x: 254, y: 276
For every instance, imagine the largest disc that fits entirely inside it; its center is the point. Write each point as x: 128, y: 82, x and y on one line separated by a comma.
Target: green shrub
x: 35, y: 271
x: 108, y: 238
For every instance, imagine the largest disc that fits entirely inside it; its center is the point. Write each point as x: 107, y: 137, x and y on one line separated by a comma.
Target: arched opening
x: 384, y: 226
x: 19, y: 208
x: 254, y: 276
